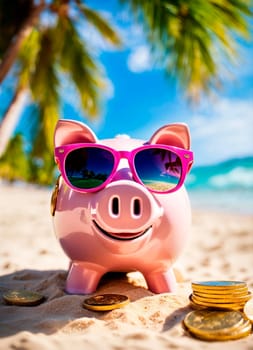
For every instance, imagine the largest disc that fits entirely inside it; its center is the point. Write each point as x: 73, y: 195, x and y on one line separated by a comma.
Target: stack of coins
x: 224, y: 310
x: 220, y: 294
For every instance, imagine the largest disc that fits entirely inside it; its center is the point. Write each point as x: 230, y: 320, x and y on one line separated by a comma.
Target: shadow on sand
x: 59, y: 308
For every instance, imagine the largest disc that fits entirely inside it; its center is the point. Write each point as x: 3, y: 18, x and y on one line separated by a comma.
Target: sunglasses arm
x: 57, y: 163
x: 189, y: 167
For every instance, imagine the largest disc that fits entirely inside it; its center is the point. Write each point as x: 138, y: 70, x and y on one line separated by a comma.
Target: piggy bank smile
x: 124, y: 236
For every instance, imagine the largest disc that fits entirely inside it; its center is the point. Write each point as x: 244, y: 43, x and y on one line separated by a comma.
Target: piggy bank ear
x: 173, y: 134
x: 71, y: 131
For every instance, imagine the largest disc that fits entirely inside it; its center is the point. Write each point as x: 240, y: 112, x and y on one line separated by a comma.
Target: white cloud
x: 224, y: 131
x: 139, y: 59
x: 243, y: 67
x: 70, y: 95
x: 219, y: 130
x: 132, y: 35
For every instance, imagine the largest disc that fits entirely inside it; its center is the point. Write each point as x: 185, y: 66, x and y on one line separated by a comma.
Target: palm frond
x: 48, y: 116
x: 81, y: 67
x: 27, y: 57
x: 44, y: 79
x: 193, y: 38
x: 100, y: 24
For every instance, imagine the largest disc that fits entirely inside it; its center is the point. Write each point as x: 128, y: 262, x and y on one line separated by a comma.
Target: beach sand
x: 221, y: 247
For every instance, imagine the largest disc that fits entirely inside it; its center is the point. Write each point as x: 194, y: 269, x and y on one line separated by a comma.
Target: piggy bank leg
x: 83, y: 278
x: 161, y: 282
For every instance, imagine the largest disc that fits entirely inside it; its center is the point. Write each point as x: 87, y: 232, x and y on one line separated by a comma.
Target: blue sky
x: 141, y: 98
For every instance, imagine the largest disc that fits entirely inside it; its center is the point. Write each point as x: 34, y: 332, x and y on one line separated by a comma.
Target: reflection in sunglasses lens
x: 88, y: 167
x: 159, y: 169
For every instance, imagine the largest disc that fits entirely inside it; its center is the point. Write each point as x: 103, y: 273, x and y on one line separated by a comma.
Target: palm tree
x: 44, y: 53
x: 17, y: 20
x: 193, y: 38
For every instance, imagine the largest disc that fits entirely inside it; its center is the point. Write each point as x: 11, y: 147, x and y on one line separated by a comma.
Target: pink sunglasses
x: 89, y: 167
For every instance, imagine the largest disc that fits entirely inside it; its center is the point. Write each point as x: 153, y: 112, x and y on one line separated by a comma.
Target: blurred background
x: 129, y: 67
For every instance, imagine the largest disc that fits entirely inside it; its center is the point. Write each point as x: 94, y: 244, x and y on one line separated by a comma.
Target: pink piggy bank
x: 120, y: 204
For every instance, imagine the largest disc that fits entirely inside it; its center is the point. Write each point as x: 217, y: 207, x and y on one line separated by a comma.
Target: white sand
x: 221, y: 247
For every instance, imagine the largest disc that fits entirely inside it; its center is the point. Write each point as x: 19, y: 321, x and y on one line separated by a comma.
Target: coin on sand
x: 106, y: 302
x: 217, y: 325
x: 242, y: 331
x: 248, y: 310
x: 23, y: 298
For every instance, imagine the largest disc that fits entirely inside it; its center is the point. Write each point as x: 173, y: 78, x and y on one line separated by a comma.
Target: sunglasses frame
x: 185, y: 156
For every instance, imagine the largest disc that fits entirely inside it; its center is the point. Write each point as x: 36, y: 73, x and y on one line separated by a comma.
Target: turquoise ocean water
x: 226, y: 186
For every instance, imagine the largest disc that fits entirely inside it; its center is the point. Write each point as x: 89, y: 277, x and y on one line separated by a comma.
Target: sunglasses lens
x: 159, y: 169
x: 88, y: 167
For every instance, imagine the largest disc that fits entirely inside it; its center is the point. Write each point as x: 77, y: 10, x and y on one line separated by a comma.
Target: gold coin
x: 212, y: 321
x: 217, y: 325
x: 106, y: 302
x: 217, y: 303
x: 23, y: 298
x: 226, y: 295
x: 222, y: 298
x: 232, y: 306
x: 248, y: 310
x: 196, y: 306
x: 219, y: 285
x: 242, y: 331
x: 240, y: 291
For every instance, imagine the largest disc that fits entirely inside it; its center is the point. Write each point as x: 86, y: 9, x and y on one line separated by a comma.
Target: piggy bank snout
x: 125, y: 207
